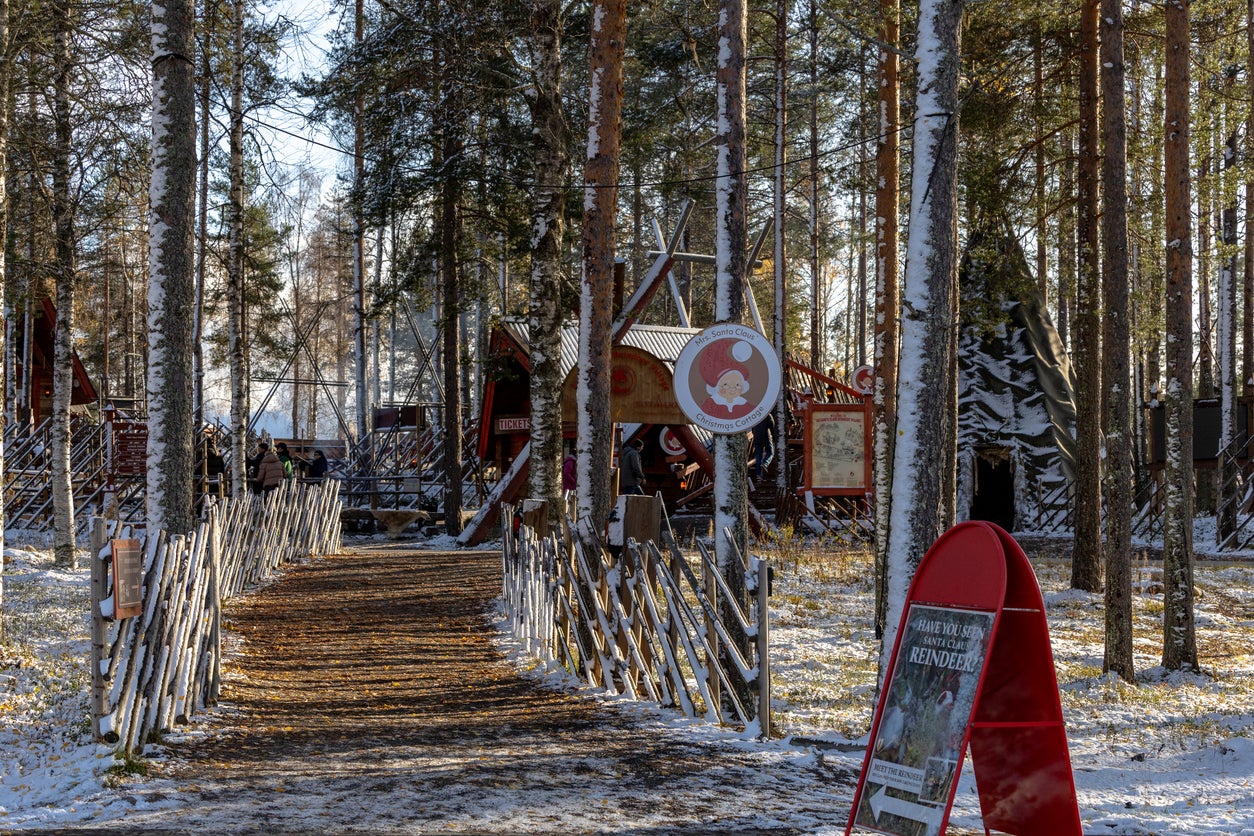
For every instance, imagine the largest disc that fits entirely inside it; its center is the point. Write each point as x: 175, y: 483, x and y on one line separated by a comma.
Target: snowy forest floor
x: 373, y: 691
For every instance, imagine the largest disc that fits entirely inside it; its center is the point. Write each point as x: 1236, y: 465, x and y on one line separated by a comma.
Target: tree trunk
x: 928, y: 312
x: 359, y: 263
x: 1086, y: 556
x: 6, y: 381
x: 782, y: 8
x: 731, y: 255
x: 816, y: 282
x: 1247, y: 283
x: 1116, y: 365
x: 1179, y: 629
x: 63, y: 346
x: 546, y: 314
x: 887, y: 209
x: 452, y: 150
x: 1228, y: 485
x: 605, y: 107
x: 171, y: 283
x: 236, y: 341
x: 1066, y: 238
x: 209, y: 26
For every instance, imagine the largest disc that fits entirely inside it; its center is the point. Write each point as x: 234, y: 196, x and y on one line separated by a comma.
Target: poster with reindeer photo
x: 930, y: 696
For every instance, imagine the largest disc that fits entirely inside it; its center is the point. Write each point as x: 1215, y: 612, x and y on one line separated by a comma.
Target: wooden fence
x: 155, y: 669
x: 645, y: 623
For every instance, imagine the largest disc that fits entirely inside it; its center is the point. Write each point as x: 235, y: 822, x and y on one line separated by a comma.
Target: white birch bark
x: 730, y: 250
x: 545, y: 322
x: 171, y: 281
x: 63, y: 340
x: 6, y: 343
x: 929, y: 310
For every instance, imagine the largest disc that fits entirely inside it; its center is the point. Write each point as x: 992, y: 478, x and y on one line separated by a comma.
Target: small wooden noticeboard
x: 130, y: 448
x: 971, y: 666
x: 128, y: 578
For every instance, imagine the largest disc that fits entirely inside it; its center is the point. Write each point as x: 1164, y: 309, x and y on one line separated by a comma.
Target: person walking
x: 285, y: 458
x: 763, y: 445
x: 630, y: 470
x: 270, y: 472
x: 254, y: 466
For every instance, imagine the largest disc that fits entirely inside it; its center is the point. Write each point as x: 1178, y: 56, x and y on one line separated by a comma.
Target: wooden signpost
x: 972, y: 666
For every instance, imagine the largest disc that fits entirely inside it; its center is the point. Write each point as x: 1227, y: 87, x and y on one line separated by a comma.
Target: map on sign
x: 918, y: 745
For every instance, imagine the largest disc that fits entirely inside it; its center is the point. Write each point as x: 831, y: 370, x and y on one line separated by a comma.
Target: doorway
x: 993, y: 495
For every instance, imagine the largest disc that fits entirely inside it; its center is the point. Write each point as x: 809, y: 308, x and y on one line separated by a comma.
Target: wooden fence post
x: 99, y: 627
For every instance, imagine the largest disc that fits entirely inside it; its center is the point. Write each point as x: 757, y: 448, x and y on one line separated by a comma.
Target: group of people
x: 630, y: 469
x: 269, y: 468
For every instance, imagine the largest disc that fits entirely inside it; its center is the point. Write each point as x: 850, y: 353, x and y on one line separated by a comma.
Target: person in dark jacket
x: 317, y: 466
x: 630, y: 469
x: 763, y: 444
x: 254, y: 466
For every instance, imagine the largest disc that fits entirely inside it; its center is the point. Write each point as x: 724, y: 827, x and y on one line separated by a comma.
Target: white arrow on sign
x: 882, y: 802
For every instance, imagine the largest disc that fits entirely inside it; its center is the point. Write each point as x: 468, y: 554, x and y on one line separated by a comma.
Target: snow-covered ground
x: 1174, y: 754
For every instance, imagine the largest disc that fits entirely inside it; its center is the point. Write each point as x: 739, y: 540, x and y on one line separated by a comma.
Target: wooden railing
x: 156, y: 669
x: 645, y: 623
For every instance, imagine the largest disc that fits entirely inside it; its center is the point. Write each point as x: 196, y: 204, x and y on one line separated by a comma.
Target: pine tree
x: 1179, y: 629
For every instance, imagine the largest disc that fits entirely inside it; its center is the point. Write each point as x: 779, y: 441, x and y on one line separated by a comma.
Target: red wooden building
x: 39, y: 383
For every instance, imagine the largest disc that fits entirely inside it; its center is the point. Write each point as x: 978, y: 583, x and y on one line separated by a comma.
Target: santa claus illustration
x: 723, y: 368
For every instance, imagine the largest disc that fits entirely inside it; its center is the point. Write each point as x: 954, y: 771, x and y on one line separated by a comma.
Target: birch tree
x: 605, y: 107
x: 929, y: 293
x: 171, y: 282
x: 1179, y: 632
x: 731, y: 257
x: 549, y: 137
x: 1116, y: 366
x: 5, y: 413
x: 63, y: 340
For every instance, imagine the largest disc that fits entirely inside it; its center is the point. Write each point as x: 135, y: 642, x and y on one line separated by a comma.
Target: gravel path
x: 367, y: 693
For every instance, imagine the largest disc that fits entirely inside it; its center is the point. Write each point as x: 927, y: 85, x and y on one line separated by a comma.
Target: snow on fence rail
x: 155, y: 669
x: 643, y: 624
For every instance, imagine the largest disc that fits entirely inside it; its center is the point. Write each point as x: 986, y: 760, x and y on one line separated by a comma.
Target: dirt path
x: 367, y: 694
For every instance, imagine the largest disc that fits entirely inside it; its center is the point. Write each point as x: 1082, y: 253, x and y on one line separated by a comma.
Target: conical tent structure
x: 1016, y: 393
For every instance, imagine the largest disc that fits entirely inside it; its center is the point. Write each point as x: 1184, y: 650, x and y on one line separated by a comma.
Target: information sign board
x: 128, y: 578
x: 130, y: 448
x: 971, y: 666
x: 837, y: 449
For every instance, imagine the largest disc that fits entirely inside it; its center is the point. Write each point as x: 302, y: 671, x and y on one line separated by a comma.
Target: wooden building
x: 38, y: 384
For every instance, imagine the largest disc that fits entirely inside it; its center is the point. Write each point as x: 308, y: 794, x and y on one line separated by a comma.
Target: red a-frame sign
x: 971, y: 666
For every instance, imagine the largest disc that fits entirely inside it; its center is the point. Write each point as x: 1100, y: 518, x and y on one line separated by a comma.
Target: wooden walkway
x: 367, y: 692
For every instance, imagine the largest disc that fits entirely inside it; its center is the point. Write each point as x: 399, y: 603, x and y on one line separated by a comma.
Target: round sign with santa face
x: 727, y: 378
